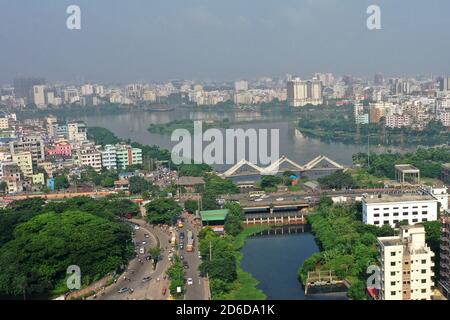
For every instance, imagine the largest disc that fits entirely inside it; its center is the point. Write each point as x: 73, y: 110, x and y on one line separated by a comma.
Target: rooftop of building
x: 390, y: 241
x: 383, y: 198
x: 190, y: 181
x: 214, y: 215
x: 406, y: 168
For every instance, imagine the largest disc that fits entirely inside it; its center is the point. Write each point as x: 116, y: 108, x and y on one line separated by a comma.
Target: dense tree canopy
x: 139, y: 185
x: 38, y: 239
x: 348, y: 246
x: 337, y: 180
x: 42, y: 248
x: 163, y: 211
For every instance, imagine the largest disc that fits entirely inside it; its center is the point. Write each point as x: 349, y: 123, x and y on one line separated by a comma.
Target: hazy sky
x: 123, y: 40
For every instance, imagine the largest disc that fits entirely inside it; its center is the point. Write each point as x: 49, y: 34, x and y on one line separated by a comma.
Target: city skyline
x: 155, y: 41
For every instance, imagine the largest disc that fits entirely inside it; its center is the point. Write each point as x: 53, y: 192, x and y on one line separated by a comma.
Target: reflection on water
x: 274, y: 258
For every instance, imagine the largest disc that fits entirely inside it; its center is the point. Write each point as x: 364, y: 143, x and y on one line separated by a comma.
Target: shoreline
x: 247, y: 284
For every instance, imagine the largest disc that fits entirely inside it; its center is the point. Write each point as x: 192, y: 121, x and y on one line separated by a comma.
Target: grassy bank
x: 245, y: 285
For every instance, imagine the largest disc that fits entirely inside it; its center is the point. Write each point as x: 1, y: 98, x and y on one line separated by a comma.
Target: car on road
x: 200, y: 256
x: 164, y: 291
x: 144, y: 242
x: 136, y: 227
x: 258, y: 200
x: 123, y: 290
x: 185, y: 265
x: 142, y: 250
x: 146, y: 279
x: 181, y: 257
x: 181, y: 235
x: 147, y: 235
x: 181, y: 246
x: 280, y: 199
x: 190, y: 282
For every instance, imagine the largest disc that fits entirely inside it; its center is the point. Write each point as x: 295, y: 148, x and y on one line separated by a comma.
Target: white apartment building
x: 109, y: 155
x: 25, y: 162
x: 77, y: 131
x: 87, y: 90
x: 398, y: 121
x: 39, y: 95
x: 440, y: 194
x: 301, y: 93
x: 444, y: 117
x: 4, y: 123
x: 388, y: 209
x: 89, y: 156
x: 70, y: 95
x: 406, y: 265
x: 241, y: 85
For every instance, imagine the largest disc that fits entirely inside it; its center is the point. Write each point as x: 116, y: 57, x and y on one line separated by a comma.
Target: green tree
x: 233, y: 221
x: 139, y: 185
x: 61, y: 182
x: 163, y: 211
x: 191, y: 206
x: 36, y: 259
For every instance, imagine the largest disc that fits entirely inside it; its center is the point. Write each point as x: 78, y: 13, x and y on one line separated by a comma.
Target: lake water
x: 293, y: 144
x: 274, y: 261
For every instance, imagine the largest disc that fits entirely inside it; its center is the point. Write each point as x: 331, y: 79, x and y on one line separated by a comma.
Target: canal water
x: 274, y: 260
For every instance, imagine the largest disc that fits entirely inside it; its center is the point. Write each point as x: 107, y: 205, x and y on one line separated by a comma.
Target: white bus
x: 256, y: 194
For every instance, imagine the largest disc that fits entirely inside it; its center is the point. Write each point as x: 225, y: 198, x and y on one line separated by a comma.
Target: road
x: 199, y: 290
x: 139, y: 268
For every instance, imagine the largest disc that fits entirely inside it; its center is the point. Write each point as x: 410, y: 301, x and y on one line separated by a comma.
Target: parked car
x: 146, y: 279
x: 123, y: 290
x: 164, y: 291
x: 190, y: 282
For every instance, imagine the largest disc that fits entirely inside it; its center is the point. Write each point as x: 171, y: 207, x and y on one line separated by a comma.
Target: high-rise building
x: 301, y: 92
x: 444, y: 279
x: 391, y: 210
x: 127, y: 156
x: 444, y: 84
x: 88, y: 156
x: 32, y: 144
x: 77, y: 131
x: 39, y: 95
x: 25, y: 162
x: 406, y: 265
x: 400, y: 86
x: 109, y: 156
x: 87, y: 90
x: 241, y: 85
x: 23, y: 87
x: 378, y: 79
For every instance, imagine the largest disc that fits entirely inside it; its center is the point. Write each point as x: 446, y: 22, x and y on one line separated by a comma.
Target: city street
x: 199, y: 290
x: 139, y: 268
